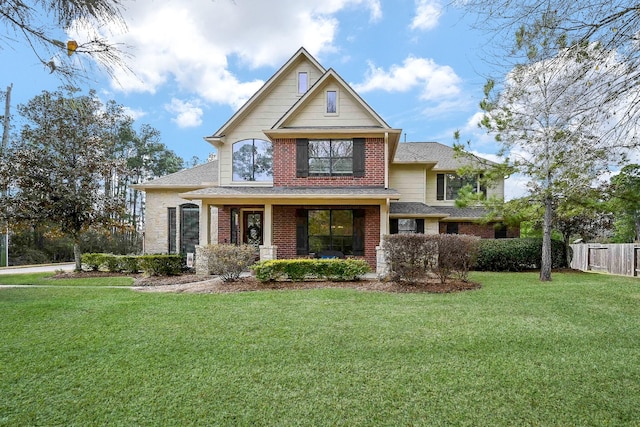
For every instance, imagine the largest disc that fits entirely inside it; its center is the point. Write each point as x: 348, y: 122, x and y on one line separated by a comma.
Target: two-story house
x: 306, y: 167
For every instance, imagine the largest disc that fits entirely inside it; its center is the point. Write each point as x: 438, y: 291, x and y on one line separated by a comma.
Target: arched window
x: 189, y: 227
x: 253, y: 160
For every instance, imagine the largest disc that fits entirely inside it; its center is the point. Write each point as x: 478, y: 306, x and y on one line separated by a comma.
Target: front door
x: 252, y: 226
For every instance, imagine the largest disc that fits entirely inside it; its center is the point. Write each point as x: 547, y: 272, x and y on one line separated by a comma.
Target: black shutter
x: 358, y: 157
x: 302, y: 240
x: 420, y: 225
x: 302, y: 157
x: 440, y: 191
x: 358, y: 232
x: 393, y: 225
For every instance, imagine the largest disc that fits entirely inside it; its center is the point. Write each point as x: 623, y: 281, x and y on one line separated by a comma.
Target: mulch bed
x: 190, y: 283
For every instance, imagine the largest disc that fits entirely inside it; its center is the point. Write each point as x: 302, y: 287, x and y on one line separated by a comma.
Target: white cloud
x: 433, y: 81
x: 188, y: 114
x: 193, y: 43
x: 428, y: 13
x: 135, y: 114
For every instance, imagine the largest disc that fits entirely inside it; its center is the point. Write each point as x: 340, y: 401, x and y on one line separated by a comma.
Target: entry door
x: 252, y: 226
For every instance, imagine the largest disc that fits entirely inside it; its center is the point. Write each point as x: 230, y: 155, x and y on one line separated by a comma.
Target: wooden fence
x: 621, y: 258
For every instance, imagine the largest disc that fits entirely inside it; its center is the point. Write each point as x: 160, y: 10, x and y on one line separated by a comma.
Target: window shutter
x: 420, y: 225
x: 302, y: 157
x: 440, y: 190
x: 393, y: 225
x: 358, y: 157
x: 358, y: 232
x: 302, y: 241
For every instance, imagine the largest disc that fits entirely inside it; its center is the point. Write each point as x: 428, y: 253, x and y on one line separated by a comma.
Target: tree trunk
x: 77, y: 254
x: 545, y: 265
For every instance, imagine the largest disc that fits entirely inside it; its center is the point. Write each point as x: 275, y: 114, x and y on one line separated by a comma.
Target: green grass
x: 517, y: 352
x: 44, y: 279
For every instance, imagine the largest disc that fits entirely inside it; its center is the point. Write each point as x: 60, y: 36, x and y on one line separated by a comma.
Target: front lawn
x: 516, y: 352
x: 46, y: 279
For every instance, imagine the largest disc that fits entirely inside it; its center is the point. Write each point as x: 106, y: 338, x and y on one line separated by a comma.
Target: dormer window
x: 332, y: 102
x: 303, y: 82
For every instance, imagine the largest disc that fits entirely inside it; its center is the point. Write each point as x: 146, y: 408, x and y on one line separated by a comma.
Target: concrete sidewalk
x: 37, y: 268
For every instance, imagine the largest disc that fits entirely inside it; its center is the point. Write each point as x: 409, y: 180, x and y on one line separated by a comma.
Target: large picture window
x: 321, y: 230
x: 253, y: 160
x: 449, y: 185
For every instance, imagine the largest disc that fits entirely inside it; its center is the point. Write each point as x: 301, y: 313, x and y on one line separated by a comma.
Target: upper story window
x: 330, y: 157
x: 253, y: 160
x: 332, y: 102
x: 449, y: 185
x: 303, y: 82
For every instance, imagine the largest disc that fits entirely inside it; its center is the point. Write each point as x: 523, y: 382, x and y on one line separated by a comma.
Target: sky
x: 417, y: 63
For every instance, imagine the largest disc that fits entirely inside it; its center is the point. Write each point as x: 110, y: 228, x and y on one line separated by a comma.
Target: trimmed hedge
x: 161, y: 265
x: 517, y: 254
x: 150, y: 265
x: 300, y: 269
x: 228, y: 260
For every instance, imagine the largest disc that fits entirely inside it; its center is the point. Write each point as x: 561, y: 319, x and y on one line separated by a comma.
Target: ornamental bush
x: 302, y: 268
x: 413, y: 257
x: 228, y: 260
x: 517, y: 254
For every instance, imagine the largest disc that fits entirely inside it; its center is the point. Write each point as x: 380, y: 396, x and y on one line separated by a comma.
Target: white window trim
x: 326, y: 103
x: 446, y: 185
x: 298, y: 82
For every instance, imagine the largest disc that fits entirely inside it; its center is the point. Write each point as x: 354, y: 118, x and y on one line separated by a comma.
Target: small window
x: 332, y: 102
x: 452, y: 228
x: 303, y: 82
x: 189, y: 227
x: 407, y: 226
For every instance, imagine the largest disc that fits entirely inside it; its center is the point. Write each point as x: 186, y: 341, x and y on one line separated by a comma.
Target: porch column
x: 205, y: 224
x: 267, y: 250
x: 384, y: 219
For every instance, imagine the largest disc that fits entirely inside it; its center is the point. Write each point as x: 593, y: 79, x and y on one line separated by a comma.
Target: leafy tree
x: 552, y: 117
x: 40, y: 23
x: 55, y: 172
x: 625, y: 201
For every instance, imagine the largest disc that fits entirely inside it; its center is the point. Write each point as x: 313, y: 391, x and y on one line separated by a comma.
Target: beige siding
x: 156, y: 219
x: 431, y: 226
x: 350, y: 112
x: 266, y: 112
x: 409, y: 180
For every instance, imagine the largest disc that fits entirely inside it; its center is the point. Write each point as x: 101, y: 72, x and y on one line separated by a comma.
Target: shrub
x: 456, y: 255
x: 517, y: 254
x: 112, y: 263
x: 92, y: 261
x: 228, y: 261
x: 409, y: 256
x: 129, y: 264
x: 161, y: 265
x: 299, y: 269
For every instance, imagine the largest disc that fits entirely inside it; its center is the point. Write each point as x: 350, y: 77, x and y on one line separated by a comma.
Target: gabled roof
x: 313, y: 91
x: 432, y: 153
x: 200, y: 176
x: 266, y: 88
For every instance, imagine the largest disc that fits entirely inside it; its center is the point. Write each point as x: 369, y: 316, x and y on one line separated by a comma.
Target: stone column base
x: 202, y: 262
x: 382, y: 269
x: 268, y: 252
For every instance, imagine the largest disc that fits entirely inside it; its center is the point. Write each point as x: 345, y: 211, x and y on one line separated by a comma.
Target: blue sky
x: 418, y: 63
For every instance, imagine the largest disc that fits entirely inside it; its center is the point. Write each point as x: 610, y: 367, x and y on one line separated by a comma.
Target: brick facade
x: 284, y: 167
